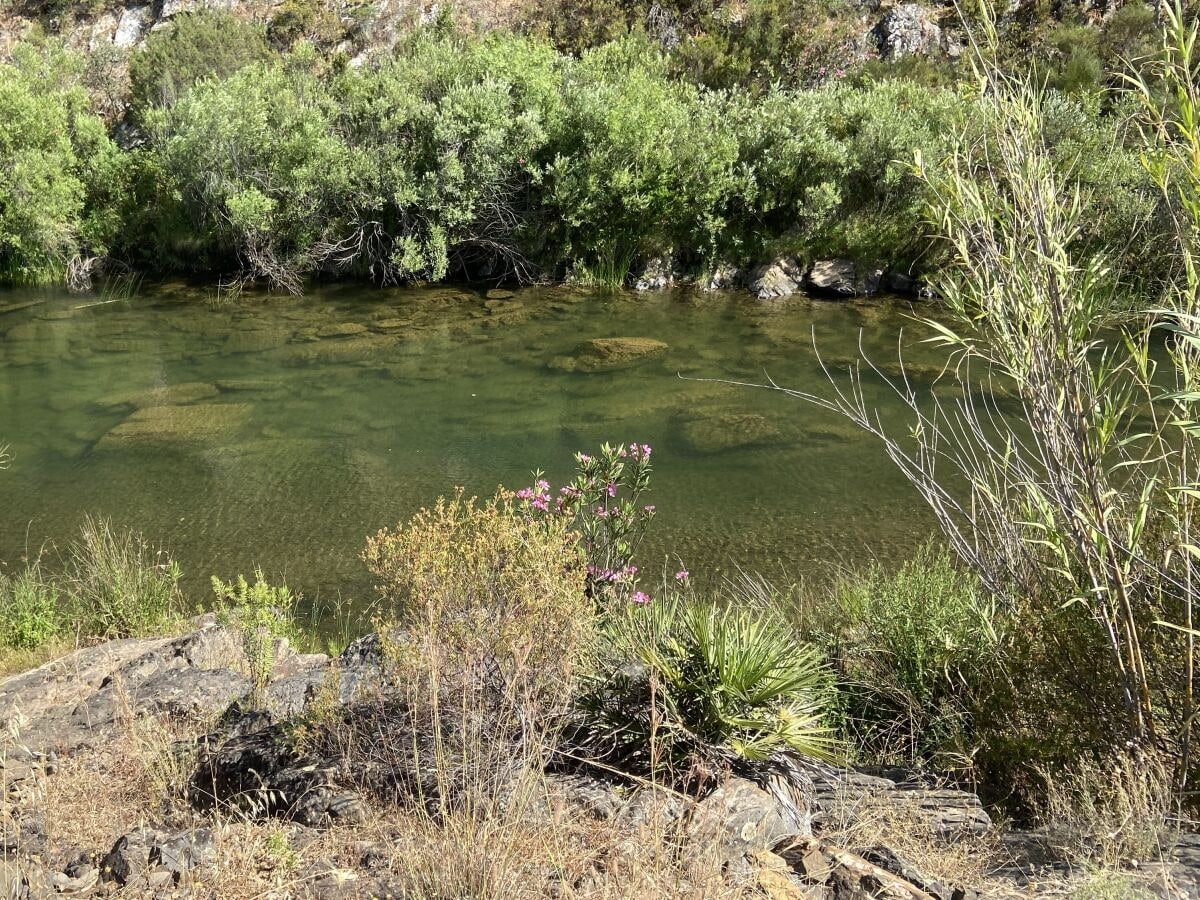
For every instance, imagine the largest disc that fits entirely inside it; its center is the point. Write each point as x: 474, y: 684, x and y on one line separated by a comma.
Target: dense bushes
x: 200, y: 45
x: 61, y: 178
x: 494, y: 157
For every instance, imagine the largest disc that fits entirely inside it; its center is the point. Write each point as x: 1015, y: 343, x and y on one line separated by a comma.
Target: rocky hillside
x: 882, y: 29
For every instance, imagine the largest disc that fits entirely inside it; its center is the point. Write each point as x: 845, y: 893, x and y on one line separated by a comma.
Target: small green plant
x: 262, y: 614
x: 912, y: 648
x: 31, y: 615
x: 119, y: 585
x: 686, y: 687
x: 1106, y: 884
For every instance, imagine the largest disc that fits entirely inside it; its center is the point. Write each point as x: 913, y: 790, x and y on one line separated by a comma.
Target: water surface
x: 279, y: 432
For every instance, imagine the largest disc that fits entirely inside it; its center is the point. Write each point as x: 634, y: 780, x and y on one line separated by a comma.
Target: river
x: 279, y: 431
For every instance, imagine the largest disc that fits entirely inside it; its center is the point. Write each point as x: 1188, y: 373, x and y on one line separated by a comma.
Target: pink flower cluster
x: 636, y: 451
x: 538, y: 496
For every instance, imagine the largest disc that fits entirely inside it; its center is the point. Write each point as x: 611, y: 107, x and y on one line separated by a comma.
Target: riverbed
x: 278, y: 432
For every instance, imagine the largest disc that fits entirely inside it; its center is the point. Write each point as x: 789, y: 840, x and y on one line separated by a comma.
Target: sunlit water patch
x: 279, y: 432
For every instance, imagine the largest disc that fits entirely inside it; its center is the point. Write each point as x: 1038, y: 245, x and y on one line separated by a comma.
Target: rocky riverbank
x: 141, y: 767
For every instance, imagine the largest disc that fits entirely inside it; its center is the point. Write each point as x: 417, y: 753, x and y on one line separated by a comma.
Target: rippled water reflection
x: 281, y: 431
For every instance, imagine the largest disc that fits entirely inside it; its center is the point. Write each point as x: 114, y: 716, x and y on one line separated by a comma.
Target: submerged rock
x: 164, y: 395
x: 176, y: 424
x: 341, y: 329
x: 720, y: 431
x: 607, y: 354
x: 255, y: 340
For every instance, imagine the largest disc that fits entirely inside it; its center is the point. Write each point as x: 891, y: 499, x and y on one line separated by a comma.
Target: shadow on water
x: 279, y: 431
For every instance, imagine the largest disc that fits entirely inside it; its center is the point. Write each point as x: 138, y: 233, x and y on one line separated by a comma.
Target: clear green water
x: 237, y: 437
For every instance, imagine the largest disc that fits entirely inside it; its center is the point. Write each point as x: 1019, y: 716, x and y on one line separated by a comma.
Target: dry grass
x: 19, y: 661
x: 1114, y: 812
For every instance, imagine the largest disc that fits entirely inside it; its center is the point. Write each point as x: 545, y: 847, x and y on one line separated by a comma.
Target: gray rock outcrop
x: 909, y: 29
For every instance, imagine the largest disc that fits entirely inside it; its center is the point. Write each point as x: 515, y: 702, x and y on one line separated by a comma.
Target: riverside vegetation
x: 1046, y: 655
x: 240, y: 152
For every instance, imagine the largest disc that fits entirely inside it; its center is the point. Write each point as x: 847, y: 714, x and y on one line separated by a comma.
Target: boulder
x: 262, y: 774
x: 738, y: 819
x: 901, y: 283
x: 148, y: 857
x: 607, y: 354
x: 132, y: 25
x: 950, y: 814
x: 722, y: 278
x: 79, y: 701
x: 834, y: 277
x: 907, y: 30
x: 780, y: 278
x: 658, y: 274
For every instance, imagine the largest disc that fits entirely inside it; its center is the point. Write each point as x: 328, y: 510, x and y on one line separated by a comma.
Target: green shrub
x: 196, y: 46
x: 486, y: 587
x: 61, y: 178
x: 686, y: 687
x: 491, y: 624
x: 452, y: 133
x: 120, y: 586
x: 913, y: 649
x: 644, y: 165
x: 260, y: 169
x: 31, y: 615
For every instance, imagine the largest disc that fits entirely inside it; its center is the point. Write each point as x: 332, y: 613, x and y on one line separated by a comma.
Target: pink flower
x: 646, y: 448
x: 525, y: 494
x: 640, y: 598
x: 542, y: 485
x: 541, y: 504
x: 682, y: 575
x: 648, y: 510
x: 584, y: 458
x: 611, y: 490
